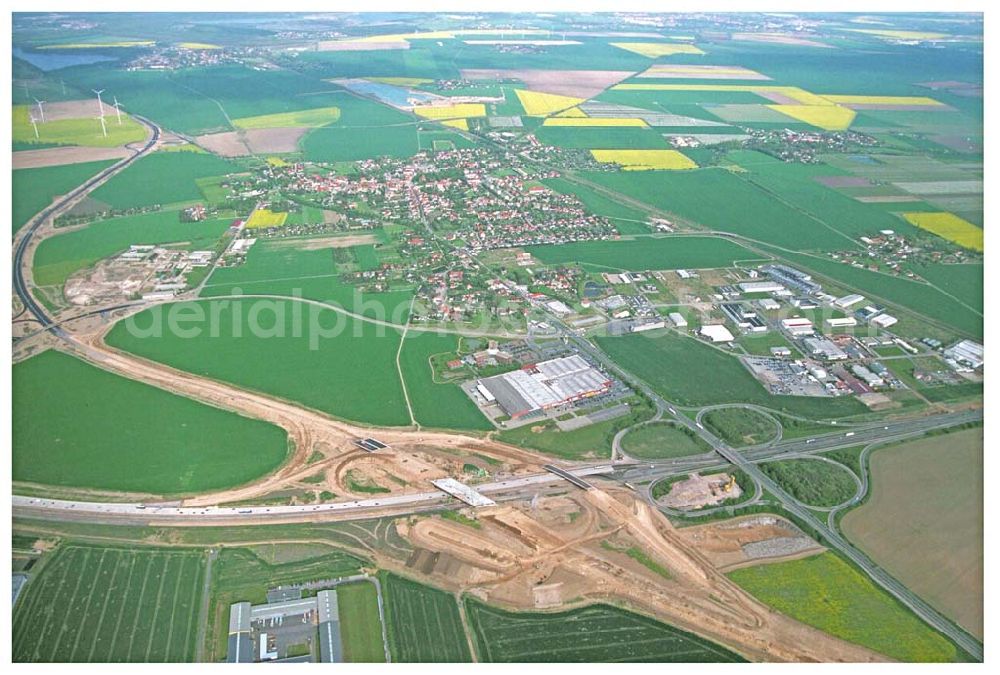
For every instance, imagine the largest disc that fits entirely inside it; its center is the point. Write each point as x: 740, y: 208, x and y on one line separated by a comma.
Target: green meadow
x: 826, y: 592
x: 75, y: 425
x: 161, y: 178
x: 36, y: 188
x: 647, y: 253
x: 299, y: 352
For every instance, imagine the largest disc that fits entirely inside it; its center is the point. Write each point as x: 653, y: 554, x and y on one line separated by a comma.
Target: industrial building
x: 544, y: 385
x: 677, y: 319
x: 744, y: 317
x: 716, y: 333
x: 966, y: 352
x: 824, y: 348
x: 798, y: 326
x: 791, y: 277
x: 761, y: 287
x: 884, y: 320
x: 841, y: 321
x: 849, y: 300
x: 266, y: 626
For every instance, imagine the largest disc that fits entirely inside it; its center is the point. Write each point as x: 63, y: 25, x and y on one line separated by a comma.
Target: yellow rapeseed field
x: 655, y: 50
x: 197, y: 45
x: 447, y: 112
x: 950, y: 227
x: 882, y: 100
x: 540, y: 103
x: 594, y: 122
x: 462, y: 124
x: 644, y: 160
x: 266, y: 218
x: 828, y: 117
x: 571, y: 112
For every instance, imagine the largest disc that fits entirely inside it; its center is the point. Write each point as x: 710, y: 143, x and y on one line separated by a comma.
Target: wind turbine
x: 63, y: 83
x: 41, y: 110
x: 34, y: 125
x: 118, y: 111
x: 100, y: 104
x: 103, y: 127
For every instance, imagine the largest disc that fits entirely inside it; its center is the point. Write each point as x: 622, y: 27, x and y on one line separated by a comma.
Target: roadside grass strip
x: 655, y: 50
x: 540, y: 103
x: 594, y: 122
x: 266, y: 218
x: 949, y: 226
x: 645, y: 160
x: 313, y: 117
x: 828, y: 117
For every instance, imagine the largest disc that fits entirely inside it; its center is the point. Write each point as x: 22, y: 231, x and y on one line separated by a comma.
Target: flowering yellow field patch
x: 655, y: 50
x: 197, y: 45
x: 882, y: 100
x: 594, y: 122
x: 795, y: 93
x: 461, y: 123
x: 266, y: 218
x: 949, y: 226
x: 447, y: 112
x: 571, y: 112
x: 644, y: 160
x: 276, y: 162
x: 828, y: 117
x: 540, y: 103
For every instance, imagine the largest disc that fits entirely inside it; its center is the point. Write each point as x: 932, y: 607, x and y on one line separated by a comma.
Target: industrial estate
x: 414, y: 337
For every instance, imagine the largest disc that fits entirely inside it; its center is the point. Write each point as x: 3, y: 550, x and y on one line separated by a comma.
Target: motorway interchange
x: 624, y: 469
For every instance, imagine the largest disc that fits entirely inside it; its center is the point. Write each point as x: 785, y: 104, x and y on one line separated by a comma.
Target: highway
x: 853, y: 435
x: 20, y: 285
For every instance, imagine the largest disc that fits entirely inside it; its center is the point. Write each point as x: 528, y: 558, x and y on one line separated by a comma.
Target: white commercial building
x: 884, y: 320
x: 968, y: 352
x: 544, y: 385
x: 716, y: 333
x: 798, y: 326
x: 761, y: 287
x: 841, y: 322
x: 849, y: 300
x: 677, y: 319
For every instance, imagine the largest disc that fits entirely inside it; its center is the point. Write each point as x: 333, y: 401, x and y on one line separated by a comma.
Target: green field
x: 241, y: 574
x: 627, y: 220
x: 34, y: 189
x: 740, y: 426
x: 281, y: 268
x: 812, y: 482
x: 101, y: 604
x: 589, y: 442
x: 662, y: 440
x: 58, y: 257
x: 747, y: 210
x: 161, y: 178
x: 301, y: 353
x: 75, y: 425
x: 84, y: 131
x: 594, y: 634
x: 365, y: 130
x: 646, y: 253
x: 442, y: 405
x: 826, y: 592
x: 360, y: 627
x: 424, y: 623
x: 316, y: 117
x: 692, y: 373
x: 606, y: 138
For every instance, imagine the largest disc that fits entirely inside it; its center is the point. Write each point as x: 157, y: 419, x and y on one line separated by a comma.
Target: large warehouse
x: 545, y: 385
